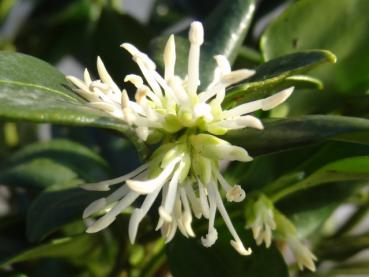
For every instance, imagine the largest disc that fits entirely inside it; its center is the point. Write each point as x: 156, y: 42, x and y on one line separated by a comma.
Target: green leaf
x: 344, y: 247
x: 277, y: 74
x: 225, y: 31
x: 38, y: 173
x: 283, y: 134
x: 350, y: 169
x: 187, y: 257
x: 316, y: 204
x: 71, y: 247
x: 33, y: 90
x: 81, y: 159
x: 56, y: 207
x: 53, y: 162
x: 305, y: 25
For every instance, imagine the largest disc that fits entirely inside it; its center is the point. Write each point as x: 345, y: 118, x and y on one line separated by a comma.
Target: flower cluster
x: 260, y: 219
x: 265, y: 220
x: 185, y: 168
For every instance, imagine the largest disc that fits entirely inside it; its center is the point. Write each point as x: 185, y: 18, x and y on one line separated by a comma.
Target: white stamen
x: 236, y: 194
x: 134, y: 79
x: 236, y: 243
x: 212, y: 234
x: 223, y: 64
x: 196, y: 37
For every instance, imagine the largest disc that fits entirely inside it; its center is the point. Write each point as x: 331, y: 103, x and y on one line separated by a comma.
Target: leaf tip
x: 331, y: 57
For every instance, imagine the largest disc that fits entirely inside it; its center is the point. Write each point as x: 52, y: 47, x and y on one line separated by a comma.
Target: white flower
x: 287, y: 232
x: 185, y: 169
x: 304, y: 257
x: 261, y: 220
x: 168, y: 104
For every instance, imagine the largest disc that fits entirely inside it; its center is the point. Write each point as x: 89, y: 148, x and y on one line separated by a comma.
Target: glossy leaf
x: 71, y: 247
x: 278, y: 74
x: 37, y: 173
x: 344, y: 247
x: 187, y: 257
x: 50, y: 163
x: 225, y: 30
x: 338, y: 26
x: 33, y: 90
x: 310, y: 209
x: 315, y: 205
x: 349, y: 169
x: 56, y: 207
x: 283, y: 134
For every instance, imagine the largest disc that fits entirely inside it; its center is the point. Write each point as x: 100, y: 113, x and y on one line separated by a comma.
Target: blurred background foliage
x: 41, y: 166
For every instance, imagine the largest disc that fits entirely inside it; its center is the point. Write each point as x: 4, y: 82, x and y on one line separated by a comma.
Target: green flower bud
x: 218, y: 149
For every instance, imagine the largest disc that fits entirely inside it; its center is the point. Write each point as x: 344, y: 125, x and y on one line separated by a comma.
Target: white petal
x: 276, y: 99
x: 169, y: 58
x: 171, y: 196
x: 105, y: 185
x: 107, y: 219
x: 187, y: 215
x: 194, y: 201
x: 134, y: 221
x: 105, y: 77
x: 138, y: 215
x: 78, y: 83
x: 204, y: 201
x: 100, y: 224
x: 94, y: 207
x: 264, y: 104
x: 236, y: 76
x: 146, y: 187
x: 87, y: 77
